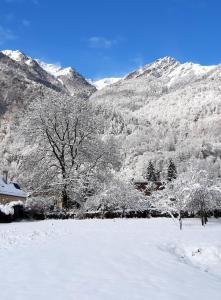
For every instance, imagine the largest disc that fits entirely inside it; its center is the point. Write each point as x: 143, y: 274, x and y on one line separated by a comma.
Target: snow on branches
x: 118, y: 196
x: 68, y: 148
x: 192, y: 192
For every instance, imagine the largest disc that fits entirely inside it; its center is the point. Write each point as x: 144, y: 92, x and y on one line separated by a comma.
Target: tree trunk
x: 64, y: 190
x: 205, y: 216
x: 181, y: 222
x: 64, y: 198
x: 202, y: 215
x: 103, y: 213
x: 202, y: 218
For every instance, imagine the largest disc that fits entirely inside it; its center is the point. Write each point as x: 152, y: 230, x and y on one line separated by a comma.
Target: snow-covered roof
x: 10, y: 189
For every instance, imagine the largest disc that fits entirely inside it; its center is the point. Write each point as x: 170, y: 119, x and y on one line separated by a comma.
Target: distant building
x: 10, y: 191
x: 142, y: 186
x: 148, y: 187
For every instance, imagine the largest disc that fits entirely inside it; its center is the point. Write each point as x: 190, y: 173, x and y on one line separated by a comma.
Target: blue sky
x: 110, y: 38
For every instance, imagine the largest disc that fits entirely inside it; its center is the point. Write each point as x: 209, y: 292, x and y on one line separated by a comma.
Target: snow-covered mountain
x: 22, y: 80
x: 102, y: 83
x: 18, y: 56
x: 70, y: 79
x: 170, y: 67
x: 55, y: 70
x: 60, y: 73
x: 165, y: 109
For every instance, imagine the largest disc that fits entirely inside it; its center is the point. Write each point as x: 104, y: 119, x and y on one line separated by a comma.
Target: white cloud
x: 25, y: 23
x: 6, y: 35
x: 101, y: 42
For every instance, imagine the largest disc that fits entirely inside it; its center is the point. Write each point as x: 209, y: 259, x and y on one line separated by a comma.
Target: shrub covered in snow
x: 8, y: 208
x: 11, y: 211
x: 118, y: 196
x: 193, y: 191
x: 37, y: 207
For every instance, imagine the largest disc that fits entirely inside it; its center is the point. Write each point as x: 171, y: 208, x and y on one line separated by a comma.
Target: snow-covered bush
x: 193, y: 192
x: 204, y: 194
x: 118, y: 196
x: 11, y: 211
x: 39, y: 205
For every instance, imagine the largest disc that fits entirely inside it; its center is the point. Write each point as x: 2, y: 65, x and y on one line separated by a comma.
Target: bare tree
x: 204, y: 194
x: 173, y: 199
x: 68, y: 149
x: 192, y: 191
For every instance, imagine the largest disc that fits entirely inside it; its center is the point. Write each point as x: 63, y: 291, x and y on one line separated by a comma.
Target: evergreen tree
x: 171, y: 172
x: 151, y: 174
x: 158, y: 173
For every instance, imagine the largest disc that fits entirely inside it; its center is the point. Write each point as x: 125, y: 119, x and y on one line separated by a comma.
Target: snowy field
x: 110, y: 259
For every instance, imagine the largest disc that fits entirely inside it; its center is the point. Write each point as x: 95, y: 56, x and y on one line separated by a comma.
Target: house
x: 10, y: 191
x: 148, y: 187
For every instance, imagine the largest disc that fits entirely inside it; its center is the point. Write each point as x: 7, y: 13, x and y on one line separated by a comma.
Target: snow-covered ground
x: 110, y: 259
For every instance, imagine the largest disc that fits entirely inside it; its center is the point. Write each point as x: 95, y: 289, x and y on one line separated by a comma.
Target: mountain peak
x: 167, y: 59
x: 14, y: 54
x: 163, y: 63
x: 52, y: 69
x: 18, y: 56
x: 157, y: 68
x: 56, y: 70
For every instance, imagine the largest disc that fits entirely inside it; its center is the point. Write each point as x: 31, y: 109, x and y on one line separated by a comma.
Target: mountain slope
x: 70, y: 79
x: 163, y: 110
x: 167, y: 109
x: 22, y: 80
